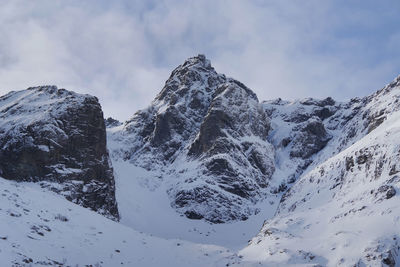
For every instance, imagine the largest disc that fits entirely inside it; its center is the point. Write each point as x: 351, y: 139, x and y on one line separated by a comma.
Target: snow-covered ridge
x: 343, y: 211
x: 35, y: 104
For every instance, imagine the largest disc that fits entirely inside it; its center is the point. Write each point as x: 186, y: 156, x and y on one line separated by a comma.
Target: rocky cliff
x: 57, y: 138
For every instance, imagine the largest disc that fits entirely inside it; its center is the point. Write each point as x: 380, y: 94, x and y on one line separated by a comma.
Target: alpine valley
x: 206, y: 175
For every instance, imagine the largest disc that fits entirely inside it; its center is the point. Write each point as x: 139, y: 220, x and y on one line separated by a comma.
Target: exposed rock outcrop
x: 58, y: 138
x: 110, y: 122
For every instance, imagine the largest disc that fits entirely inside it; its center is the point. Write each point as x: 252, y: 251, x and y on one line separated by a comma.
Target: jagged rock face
x: 174, y: 117
x: 208, y: 135
x: 110, y: 122
x: 348, y: 198
x: 310, y: 138
x: 58, y: 138
x: 300, y: 131
x: 233, y: 155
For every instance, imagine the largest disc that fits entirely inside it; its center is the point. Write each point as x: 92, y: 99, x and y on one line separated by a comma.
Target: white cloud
x: 123, y: 51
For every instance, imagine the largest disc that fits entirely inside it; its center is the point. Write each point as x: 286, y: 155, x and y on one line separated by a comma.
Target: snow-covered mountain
x: 197, y: 174
x: 204, y: 135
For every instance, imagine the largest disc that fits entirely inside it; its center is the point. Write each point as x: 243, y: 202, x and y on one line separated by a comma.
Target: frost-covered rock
x: 110, y: 122
x: 310, y: 138
x: 58, y: 138
x: 207, y: 134
x: 299, y: 131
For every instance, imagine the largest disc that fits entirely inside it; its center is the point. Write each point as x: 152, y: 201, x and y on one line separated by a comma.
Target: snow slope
x: 144, y: 205
x: 40, y: 228
x: 344, y: 211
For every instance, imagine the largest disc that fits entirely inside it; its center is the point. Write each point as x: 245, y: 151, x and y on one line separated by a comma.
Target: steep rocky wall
x: 58, y: 138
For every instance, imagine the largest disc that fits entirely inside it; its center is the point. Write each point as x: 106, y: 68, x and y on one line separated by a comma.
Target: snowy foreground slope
x: 40, y: 228
x: 338, y: 214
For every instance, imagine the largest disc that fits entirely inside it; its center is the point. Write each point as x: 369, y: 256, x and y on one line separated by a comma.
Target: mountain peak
x: 199, y: 60
x: 199, y: 64
x: 194, y: 75
x: 395, y: 82
x: 206, y: 124
x: 43, y: 88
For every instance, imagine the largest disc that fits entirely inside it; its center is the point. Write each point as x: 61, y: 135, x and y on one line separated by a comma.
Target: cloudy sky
x: 123, y: 51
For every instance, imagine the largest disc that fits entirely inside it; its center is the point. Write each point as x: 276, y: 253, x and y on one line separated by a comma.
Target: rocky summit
x: 57, y: 138
x: 207, y: 135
